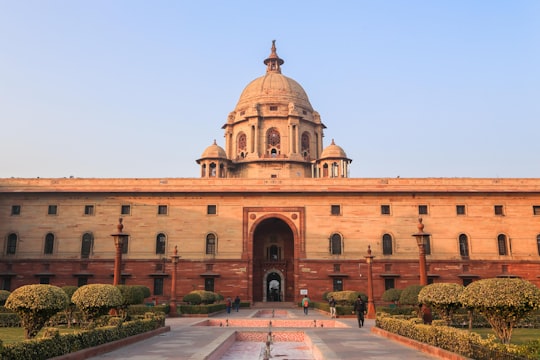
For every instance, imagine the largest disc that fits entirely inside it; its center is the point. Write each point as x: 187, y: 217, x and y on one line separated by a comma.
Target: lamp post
x: 172, y: 302
x: 118, y: 237
x: 421, y: 239
x: 371, y: 314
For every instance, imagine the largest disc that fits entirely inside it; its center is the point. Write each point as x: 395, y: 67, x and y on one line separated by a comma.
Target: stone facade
x: 270, y: 218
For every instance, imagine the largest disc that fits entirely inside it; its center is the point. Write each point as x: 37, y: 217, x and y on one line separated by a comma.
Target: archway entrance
x: 273, y: 286
x: 273, y: 261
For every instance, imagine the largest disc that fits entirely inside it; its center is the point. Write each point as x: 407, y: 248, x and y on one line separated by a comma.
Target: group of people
x: 229, y: 303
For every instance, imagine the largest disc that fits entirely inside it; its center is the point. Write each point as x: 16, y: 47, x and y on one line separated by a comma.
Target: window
x: 335, y: 210
x: 337, y: 268
x: 52, y: 210
x: 158, y: 286
x: 15, y: 209
x: 125, y: 244
x: 125, y: 209
x: 385, y: 209
x: 389, y: 283
x: 460, y: 209
x: 427, y: 245
x: 335, y: 244
x: 161, y: 241
x: 387, y: 244
x: 89, y: 210
x: 422, y: 209
x: 463, y: 245
x: 305, y: 145
x: 11, y: 248
x: 273, y: 253
x: 466, y: 281
x: 213, y: 167
x: 162, y: 210
x: 86, y: 245
x: 209, y: 284
x: 273, y: 108
x: 501, y: 244
x: 82, y: 280
x: 538, y: 243
x: 273, y: 142
x: 338, y: 284
x: 211, y: 244
x: 536, y: 210
x: 49, y: 244
x: 211, y: 210
x: 499, y: 210
x: 6, y: 283
x: 44, y: 280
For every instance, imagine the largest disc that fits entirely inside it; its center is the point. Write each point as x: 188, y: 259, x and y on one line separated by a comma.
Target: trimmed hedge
x: 201, y: 309
x: 462, y: 342
x: 57, y: 345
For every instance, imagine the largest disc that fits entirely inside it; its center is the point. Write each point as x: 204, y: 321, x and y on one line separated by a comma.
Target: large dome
x: 273, y: 87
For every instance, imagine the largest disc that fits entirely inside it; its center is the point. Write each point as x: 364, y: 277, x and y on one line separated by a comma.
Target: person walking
x: 305, y: 304
x: 332, y: 305
x: 237, y: 303
x: 360, y: 309
x: 228, y: 304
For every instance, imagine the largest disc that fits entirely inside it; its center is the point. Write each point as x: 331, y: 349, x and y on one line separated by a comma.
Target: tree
x: 35, y: 304
x: 442, y: 297
x: 95, y: 300
x: 409, y: 295
x: 392, y: 295
x: 503, y: 302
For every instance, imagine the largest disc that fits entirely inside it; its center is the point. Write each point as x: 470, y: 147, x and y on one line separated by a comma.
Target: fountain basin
x: 276, y: 323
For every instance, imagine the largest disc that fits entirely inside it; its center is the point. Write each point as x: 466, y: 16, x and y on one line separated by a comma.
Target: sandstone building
x: 273, y: 214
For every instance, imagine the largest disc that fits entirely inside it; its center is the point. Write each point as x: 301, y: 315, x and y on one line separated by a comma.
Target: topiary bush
x: 392, y: 295
x: 192, y: 298
x: 95, y: 300
x: 35, y: 304
x: 145, y: 290
x: 409, y: 295
x: 443, y: 298
x: 4, y: 294
x: 347, y: 297
x: 503, y: 302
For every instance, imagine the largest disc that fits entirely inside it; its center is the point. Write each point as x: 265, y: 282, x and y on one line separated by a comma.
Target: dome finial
x: 273, y: 62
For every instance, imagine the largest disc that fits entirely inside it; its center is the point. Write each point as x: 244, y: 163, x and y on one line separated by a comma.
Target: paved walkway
x: 188, y: 342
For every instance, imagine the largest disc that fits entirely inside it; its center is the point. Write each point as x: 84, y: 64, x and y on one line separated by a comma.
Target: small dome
x: 333, y: 151
x: 214, y: 151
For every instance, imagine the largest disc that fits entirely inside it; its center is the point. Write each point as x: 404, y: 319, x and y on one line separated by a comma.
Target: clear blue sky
x: 140, y: 88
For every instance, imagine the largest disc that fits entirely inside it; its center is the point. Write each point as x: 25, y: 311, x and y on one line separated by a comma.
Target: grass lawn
x: 16, y: 334
x: 519, y: 335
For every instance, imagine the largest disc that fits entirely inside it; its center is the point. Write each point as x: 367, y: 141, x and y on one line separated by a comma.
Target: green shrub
x: 392, y: 295
x: 132, y: 294
x: 95, y: 300
x: 4, y: 294
x: 192, y: 298
x: 35, y: 304
x: 145, y: 290
x: 347, y: 297
x: 409, y: 295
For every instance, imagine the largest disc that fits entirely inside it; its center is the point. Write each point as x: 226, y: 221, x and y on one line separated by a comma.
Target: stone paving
x: 188, y: 342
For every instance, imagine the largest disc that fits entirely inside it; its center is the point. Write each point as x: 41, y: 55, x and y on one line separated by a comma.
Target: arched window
x: 49, y: 244
x: 305, y: 145
x: 387, y: 247
x: 86, y: 245
x: 501, y: 244
x: 11, y: 248
x: 242, y: 143
x: 274, y: 253
x: 463, y: 245
x: 335, y: 169
x: 335, y: 244
x: 211, y: 244
x: 273, y: 142
x: 203, y: 170
x: 325, y: 170
x: 221, y: 170
x: 213, y: 170
x: 161, y: 241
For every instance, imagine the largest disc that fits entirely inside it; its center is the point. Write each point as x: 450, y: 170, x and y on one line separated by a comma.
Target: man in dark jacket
x: 360, y: 309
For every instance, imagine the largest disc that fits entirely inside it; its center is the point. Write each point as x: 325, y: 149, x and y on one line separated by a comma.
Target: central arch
x: 273, y: 259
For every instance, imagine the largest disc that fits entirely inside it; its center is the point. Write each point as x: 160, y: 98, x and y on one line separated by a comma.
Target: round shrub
x: 192, y: 298
x: 409, y: 295
x: 4, y: 294
x: 35, y: 304
x: 95, y: 300
x: 132, y: 295
x: 145, y: 290
x: 347, y: 297
x: 392, y: 295
x: 442, y: 297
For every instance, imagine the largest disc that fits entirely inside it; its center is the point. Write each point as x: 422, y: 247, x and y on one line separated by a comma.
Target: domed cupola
x: 213, y: 162
x: 333, y: 162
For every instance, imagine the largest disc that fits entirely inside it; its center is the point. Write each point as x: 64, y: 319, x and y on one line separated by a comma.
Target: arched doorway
x: 273, y: 261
